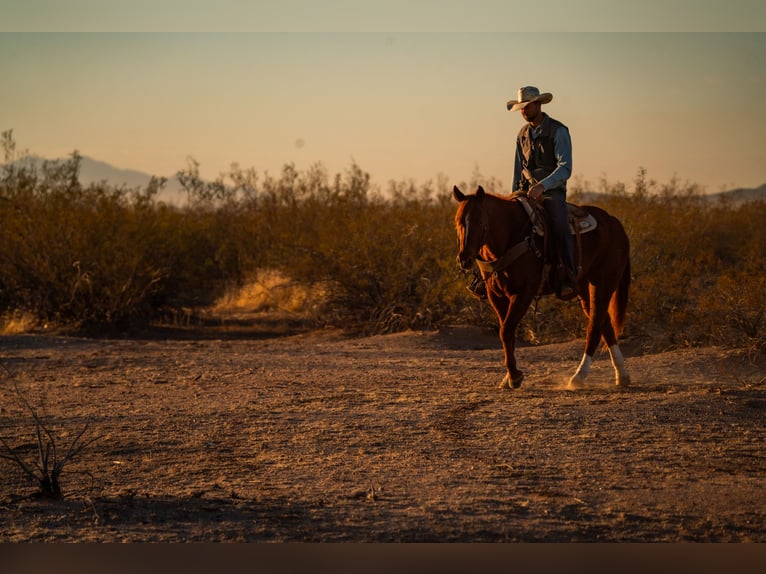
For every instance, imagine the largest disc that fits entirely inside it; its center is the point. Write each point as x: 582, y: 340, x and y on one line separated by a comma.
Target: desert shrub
x: 697, y: 264
x: 384, y: 264
x: 376, y: 261
x: 101, y: 255
x: 46, y: 467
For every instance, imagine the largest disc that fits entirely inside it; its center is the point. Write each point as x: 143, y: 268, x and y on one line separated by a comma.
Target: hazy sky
x: 399, y: 92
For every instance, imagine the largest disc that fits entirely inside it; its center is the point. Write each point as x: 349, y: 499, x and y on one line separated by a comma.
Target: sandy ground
x: 229, y: 436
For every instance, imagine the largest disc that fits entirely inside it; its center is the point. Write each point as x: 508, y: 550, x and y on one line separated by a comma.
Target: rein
x: 527, y: 244
x: 517, y: 250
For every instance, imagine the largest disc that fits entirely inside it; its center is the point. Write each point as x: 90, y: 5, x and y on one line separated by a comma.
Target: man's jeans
x: 555, y: 204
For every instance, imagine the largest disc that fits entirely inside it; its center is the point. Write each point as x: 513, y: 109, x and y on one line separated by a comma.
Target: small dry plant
x: 49, y: 463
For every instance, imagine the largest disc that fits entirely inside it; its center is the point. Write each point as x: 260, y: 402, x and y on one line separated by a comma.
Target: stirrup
x: 567, y: 292
x: 567, y: 289
x: 478, y: 288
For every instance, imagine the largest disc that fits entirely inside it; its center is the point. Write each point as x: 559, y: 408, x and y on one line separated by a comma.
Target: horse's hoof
x: 575, y: 383
x: 622, y: 381
x: 510, y: 383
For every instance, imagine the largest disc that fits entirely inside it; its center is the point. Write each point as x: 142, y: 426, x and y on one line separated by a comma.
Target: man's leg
x: 556, y: 206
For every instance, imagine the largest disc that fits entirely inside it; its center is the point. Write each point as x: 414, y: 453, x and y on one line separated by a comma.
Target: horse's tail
x: 619, y: 302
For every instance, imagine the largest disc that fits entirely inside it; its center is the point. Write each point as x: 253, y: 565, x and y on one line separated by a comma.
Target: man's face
x: 531, y: 111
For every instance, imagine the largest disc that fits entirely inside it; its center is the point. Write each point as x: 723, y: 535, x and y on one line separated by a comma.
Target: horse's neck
x: 506, y: 224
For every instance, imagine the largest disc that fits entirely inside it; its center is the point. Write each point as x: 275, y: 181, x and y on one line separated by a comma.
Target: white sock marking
x: 584, y: 368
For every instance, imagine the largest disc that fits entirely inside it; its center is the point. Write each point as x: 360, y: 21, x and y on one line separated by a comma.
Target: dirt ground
x: 241, y: 436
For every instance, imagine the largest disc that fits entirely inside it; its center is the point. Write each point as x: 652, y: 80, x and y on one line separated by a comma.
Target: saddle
x: 580, y: 222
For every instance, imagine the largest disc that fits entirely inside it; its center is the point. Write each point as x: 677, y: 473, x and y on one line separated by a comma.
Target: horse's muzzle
x: 465, y: 261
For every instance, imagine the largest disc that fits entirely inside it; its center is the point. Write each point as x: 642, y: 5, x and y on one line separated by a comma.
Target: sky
x: 675, y: 87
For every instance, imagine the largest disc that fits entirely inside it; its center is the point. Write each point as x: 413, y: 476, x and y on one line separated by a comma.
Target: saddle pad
x: 584, y: 221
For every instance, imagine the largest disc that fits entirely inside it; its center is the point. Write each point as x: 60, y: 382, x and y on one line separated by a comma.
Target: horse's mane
x: 489, y: 195
x: 513, y: 197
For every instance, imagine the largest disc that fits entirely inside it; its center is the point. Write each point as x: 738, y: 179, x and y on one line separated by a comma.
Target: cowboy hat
x: 527, y: 95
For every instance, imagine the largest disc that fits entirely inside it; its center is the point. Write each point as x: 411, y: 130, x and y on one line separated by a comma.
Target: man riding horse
x: 542, y: 166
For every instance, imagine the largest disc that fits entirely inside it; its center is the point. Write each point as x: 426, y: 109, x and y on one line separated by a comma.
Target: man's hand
x: 536, y: 192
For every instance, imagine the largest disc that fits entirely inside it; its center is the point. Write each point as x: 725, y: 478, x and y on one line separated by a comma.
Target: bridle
x: 516, y: 250
x: 484, y: 227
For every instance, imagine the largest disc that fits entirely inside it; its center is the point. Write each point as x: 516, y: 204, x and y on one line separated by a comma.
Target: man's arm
x: 562, y: 148
x: 517, y: 177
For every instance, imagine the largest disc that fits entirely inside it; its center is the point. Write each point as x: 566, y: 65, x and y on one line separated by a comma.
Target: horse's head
x: 471, y: 226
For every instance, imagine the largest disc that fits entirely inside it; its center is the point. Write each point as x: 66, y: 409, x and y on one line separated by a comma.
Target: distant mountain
x: 732, y: 197
x: 95, y: 171
x: 739, y: 196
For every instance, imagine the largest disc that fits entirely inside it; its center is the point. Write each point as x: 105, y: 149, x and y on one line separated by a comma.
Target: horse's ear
x: 457, y: 194
x: 480, y: 192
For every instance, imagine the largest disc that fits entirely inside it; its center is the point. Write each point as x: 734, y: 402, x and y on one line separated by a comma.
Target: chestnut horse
x: 490, y: 228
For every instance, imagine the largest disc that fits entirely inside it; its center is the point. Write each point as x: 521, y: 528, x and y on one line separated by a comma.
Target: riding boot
x: 567, y: 285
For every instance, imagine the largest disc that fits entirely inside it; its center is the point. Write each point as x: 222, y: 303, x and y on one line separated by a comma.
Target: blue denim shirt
x: 562, y: 148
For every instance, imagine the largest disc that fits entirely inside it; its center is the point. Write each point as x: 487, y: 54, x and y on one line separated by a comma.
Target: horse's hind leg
x: 596, y: 309
x: 584, y: 367
x: 621, y: 376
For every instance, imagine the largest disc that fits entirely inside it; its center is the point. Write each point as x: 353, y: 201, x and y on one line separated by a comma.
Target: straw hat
x: 527, y: 95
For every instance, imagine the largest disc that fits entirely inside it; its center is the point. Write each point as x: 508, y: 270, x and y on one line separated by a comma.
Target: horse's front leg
x: 513, y: 309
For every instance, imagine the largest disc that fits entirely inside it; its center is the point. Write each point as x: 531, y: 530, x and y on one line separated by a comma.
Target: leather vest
x: 537, y: 155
